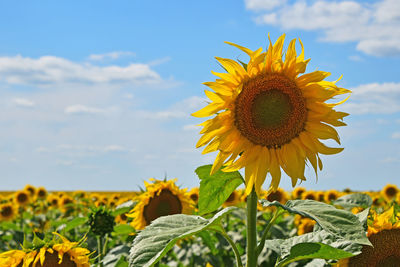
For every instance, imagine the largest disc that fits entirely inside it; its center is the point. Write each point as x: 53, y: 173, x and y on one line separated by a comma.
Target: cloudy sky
x: 97, y: 95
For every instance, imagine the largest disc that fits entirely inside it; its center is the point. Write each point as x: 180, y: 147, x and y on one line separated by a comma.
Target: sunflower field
x: 98, y: 228
x: 268, y: 119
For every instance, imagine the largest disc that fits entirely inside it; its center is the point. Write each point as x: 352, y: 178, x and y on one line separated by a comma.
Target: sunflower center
x: 384, y: 252
x: 391, y: 192
x: 194, y: 197
x: 22, y: 198
x: 52, y: 259
x: 277, y: 195
x: 6, y: 211
x: 164, y: 204
x: 270, y: 110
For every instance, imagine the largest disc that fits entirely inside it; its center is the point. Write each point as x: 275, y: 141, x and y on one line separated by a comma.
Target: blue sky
x: 97, y: 95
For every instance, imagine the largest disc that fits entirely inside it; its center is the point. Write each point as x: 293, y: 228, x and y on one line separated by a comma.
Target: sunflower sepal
x: 168, y: 230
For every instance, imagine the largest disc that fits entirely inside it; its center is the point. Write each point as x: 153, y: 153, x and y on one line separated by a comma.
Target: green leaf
x: 216, y: 188
x: 338, y: 222
x: 78, y: 221
x: 354, y: 200
x: 116, y: 257
x: 119, y: 211
x: 305, y: 251
x: 283, y: 246
x: 123, y: 229
x: 160, y: 236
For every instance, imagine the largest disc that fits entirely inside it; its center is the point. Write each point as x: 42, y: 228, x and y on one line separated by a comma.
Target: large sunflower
x: 269, y: 117
x: 161, y: 198
x: 384, y: 234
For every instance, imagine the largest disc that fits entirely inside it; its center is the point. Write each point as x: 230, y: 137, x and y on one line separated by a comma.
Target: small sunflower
x: 309, y: 195
x: 194, y: 194
x: 384, y: 234
x: 41, y: 192
x: 389, y: 192
x: 65, y: 203
x: 270, y: 117
x: 298, y: 192
x: 279, y: 195
x: 7, y: 212
x: 331, y: 195
x: 31, y: 189
x: 53, y: 200
x: 233, y: 199
x: 121, y: 218
x: 22, y: 197
x: 161, y: 198
x: 306, y: 226
x: 320, y: 195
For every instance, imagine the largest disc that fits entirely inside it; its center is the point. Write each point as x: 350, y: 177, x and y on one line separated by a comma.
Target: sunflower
x: 11, y: 258
x: 53, y: 200
x: 270, y: 116
x: 22, y: 197
x: 31, y: 189
x: 41, y: 192
x: 306, y: 226
x: 194, y: 194
x: 298, y: 192
x: 279, y: 195
x: 121, y: 218
x: 161, y: 198
x: 7, y: 212
x: 331, y: 195
x: 233, y: 199
x: 53, y: 253
x: 384, y: 234
x: 389, y: 192
x: 320, y: 195
x: 309, y: 195
x: 65, y: 203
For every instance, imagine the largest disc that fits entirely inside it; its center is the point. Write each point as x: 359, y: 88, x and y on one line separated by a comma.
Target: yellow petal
x: 208, y: 110
x: 244, y: 49
x: 221, y: 157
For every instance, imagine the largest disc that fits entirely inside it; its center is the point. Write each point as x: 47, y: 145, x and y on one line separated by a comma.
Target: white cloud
x: 374, y: 27
x: 263, y: 4
x: 355, y: 58
x: 112, y: 55
x: 374, y: 98
x: 191, y: 127
x: 396, y: 135
x: 51, y: 71
x: 23, y: 102
x: 82, y: 109
x: 179, y: 110
x: 83, y: 150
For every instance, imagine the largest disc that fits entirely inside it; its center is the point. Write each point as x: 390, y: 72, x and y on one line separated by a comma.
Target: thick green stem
x: 252, y: 229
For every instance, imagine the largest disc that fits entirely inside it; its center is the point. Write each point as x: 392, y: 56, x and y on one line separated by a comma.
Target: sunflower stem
x: 99, y: 248
x: 260, y: 246
x: 252, y: 229
x: 233, y: 245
